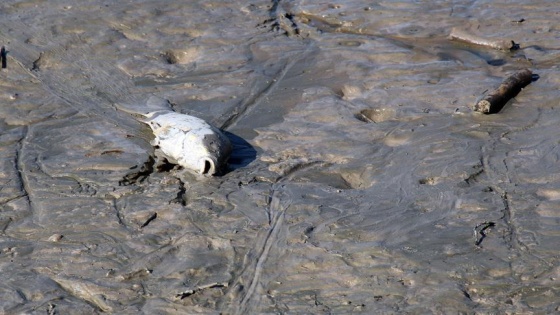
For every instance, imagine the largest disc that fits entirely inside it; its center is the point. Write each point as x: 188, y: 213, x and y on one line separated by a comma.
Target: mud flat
x: 360, y: 180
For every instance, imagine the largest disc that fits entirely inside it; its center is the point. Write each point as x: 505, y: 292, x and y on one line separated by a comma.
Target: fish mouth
x: 207, y: 166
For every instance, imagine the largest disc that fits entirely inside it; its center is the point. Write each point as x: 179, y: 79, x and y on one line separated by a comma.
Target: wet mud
x: 360, y: 181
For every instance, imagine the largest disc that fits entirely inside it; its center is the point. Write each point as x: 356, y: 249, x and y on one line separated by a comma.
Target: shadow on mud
x: 243, y: 152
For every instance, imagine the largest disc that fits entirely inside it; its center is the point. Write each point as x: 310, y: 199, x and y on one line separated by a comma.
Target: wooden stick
x: 3, y: 57
x: 511, y: 86
x: 500, y: 44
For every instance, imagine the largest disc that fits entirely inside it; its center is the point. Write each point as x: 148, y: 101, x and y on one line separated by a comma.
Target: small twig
x: 3, y: 57
x: 485, y: 225
x: 150, y: 219
x: 511, y: 86
x: 500, y: 44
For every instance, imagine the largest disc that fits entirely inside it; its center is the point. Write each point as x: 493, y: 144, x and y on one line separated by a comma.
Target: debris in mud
x: 106, y: 152
x: 500, y: 44
x: 37, y: 63
x: 51, y: 309
x: 466, y: 294
x: 55, y: 237
x: 3, y: 57
x: 135, y: 275
x: 478, y: 170
x: 149, y: 220
x: 188, y: 293
x: 181, y: 194
x: 280, y: 20
x: 496, y: 100
x: 116, y: 151
x: 184, y: 294
x: 427, y: 181
x: 484, y: 226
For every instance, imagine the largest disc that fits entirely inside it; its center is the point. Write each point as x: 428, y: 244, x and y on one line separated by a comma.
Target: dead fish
x: 189, y: 141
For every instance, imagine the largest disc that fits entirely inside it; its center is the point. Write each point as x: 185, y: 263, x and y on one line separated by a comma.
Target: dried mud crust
x: 363, y: 196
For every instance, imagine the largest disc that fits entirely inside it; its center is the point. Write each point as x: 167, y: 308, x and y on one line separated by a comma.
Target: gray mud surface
x: 361, y: 181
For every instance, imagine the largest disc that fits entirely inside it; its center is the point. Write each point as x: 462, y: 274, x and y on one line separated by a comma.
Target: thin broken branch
x: 497, y: 99
x: 149, y: 220
x: 3, y: 57
x: 500, y: 44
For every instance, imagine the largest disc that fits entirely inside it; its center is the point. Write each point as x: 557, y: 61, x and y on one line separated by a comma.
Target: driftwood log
x: 495, y: 101
x: 500, y: 44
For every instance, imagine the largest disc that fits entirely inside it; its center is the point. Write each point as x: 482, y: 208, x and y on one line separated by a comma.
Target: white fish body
x: 189, y: 141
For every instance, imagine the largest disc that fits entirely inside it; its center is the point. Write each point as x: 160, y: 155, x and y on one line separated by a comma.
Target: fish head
x: 217, y: 149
